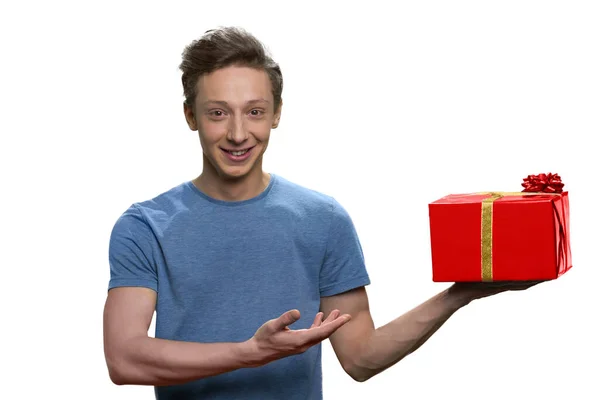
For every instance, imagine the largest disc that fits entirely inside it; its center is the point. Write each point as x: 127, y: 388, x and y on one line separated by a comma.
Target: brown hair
x: 224, y: 47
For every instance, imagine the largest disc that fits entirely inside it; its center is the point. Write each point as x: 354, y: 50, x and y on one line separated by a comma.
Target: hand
x: 477, y: 290
x: 275, y: 340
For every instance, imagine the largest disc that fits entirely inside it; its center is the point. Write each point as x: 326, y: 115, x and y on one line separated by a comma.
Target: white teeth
x: 238, y: 153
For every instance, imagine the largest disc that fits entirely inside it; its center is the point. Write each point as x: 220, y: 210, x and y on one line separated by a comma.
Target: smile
x: 237, y: 155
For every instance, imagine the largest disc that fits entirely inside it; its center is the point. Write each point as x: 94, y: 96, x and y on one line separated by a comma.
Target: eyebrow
x: 225, y: 104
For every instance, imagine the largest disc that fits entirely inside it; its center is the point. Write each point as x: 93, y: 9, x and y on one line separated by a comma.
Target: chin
x: 229, y: 173
x: 234, y: 176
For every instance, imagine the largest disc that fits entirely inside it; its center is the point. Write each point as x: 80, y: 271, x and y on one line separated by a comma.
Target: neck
x: 237, y: 189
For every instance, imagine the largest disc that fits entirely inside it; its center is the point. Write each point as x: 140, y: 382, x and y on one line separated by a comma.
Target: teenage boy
x: 233, y: 258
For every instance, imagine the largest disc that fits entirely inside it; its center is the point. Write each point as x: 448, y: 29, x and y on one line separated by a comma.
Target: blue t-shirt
x: 222, y: 269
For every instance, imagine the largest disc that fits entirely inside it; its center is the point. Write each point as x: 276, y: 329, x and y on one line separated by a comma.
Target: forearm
x: 392, y: 342
x: 159, y: 362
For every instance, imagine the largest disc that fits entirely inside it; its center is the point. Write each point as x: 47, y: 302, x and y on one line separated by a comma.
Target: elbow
x: 123, y: 368
x: 118, y: 371
x: 116, y: 378
x: 360, y: 378
x: 357, y: 374
x: 117, y: 374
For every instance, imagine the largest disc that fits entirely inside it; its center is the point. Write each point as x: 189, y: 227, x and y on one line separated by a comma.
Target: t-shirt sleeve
x: 132, y: 250
x: 343, y: 267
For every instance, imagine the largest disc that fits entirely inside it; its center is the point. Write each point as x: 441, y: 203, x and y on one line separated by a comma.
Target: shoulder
x: 168, y: 201
x: 148, y: 214
x: 303, y: 199
x: 298, y: 195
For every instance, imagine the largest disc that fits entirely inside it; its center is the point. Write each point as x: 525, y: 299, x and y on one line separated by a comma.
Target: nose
x: 237, y: 131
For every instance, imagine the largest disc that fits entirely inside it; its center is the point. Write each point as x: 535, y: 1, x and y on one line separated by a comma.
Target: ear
x: 190, y: 117
x: 277, y: 115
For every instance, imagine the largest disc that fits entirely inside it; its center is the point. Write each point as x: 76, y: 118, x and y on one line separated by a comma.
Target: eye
x: 216, y: 114
x: 256, y: 113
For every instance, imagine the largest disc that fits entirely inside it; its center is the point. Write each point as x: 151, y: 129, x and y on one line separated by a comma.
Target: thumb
x: 287, y: 318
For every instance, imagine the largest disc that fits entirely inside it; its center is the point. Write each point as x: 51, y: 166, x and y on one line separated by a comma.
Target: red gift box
x: 500, y: 236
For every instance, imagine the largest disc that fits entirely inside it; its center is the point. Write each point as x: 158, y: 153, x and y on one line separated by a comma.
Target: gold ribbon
x: 487, y: 218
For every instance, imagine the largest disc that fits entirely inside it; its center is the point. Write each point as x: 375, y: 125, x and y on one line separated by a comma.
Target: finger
x: 527, y: 285
x: 511, y: 284
x: 327, y: 329
x: 533, y: 283
x: 514, y: 285
x: 318, y: 320
x: 286, y: 319
x: 333, y: 315
x: 341, y: 319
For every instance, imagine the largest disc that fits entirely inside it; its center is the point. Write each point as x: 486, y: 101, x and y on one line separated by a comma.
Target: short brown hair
x: 224, y: 47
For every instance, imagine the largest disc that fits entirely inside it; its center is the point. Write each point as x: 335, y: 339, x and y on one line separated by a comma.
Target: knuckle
x: 302, y: 348
x: 270, y: 328
x: 304, y: 342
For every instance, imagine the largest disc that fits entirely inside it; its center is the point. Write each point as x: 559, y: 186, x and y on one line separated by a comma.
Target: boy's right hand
x: 275, y: 340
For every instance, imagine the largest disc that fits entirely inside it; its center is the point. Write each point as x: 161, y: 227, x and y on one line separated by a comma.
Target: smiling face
x: 233, y: 113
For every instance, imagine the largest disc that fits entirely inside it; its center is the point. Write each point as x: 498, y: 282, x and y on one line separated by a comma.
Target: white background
x: 386, y: 108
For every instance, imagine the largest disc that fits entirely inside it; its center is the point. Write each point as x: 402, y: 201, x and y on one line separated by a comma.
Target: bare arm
x: 390, y: 343
x: 364, y: 351
x: 134, y: 358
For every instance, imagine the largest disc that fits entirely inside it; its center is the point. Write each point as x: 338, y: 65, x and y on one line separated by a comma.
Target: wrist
x: 459, y: 296
x: 248, y: 354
